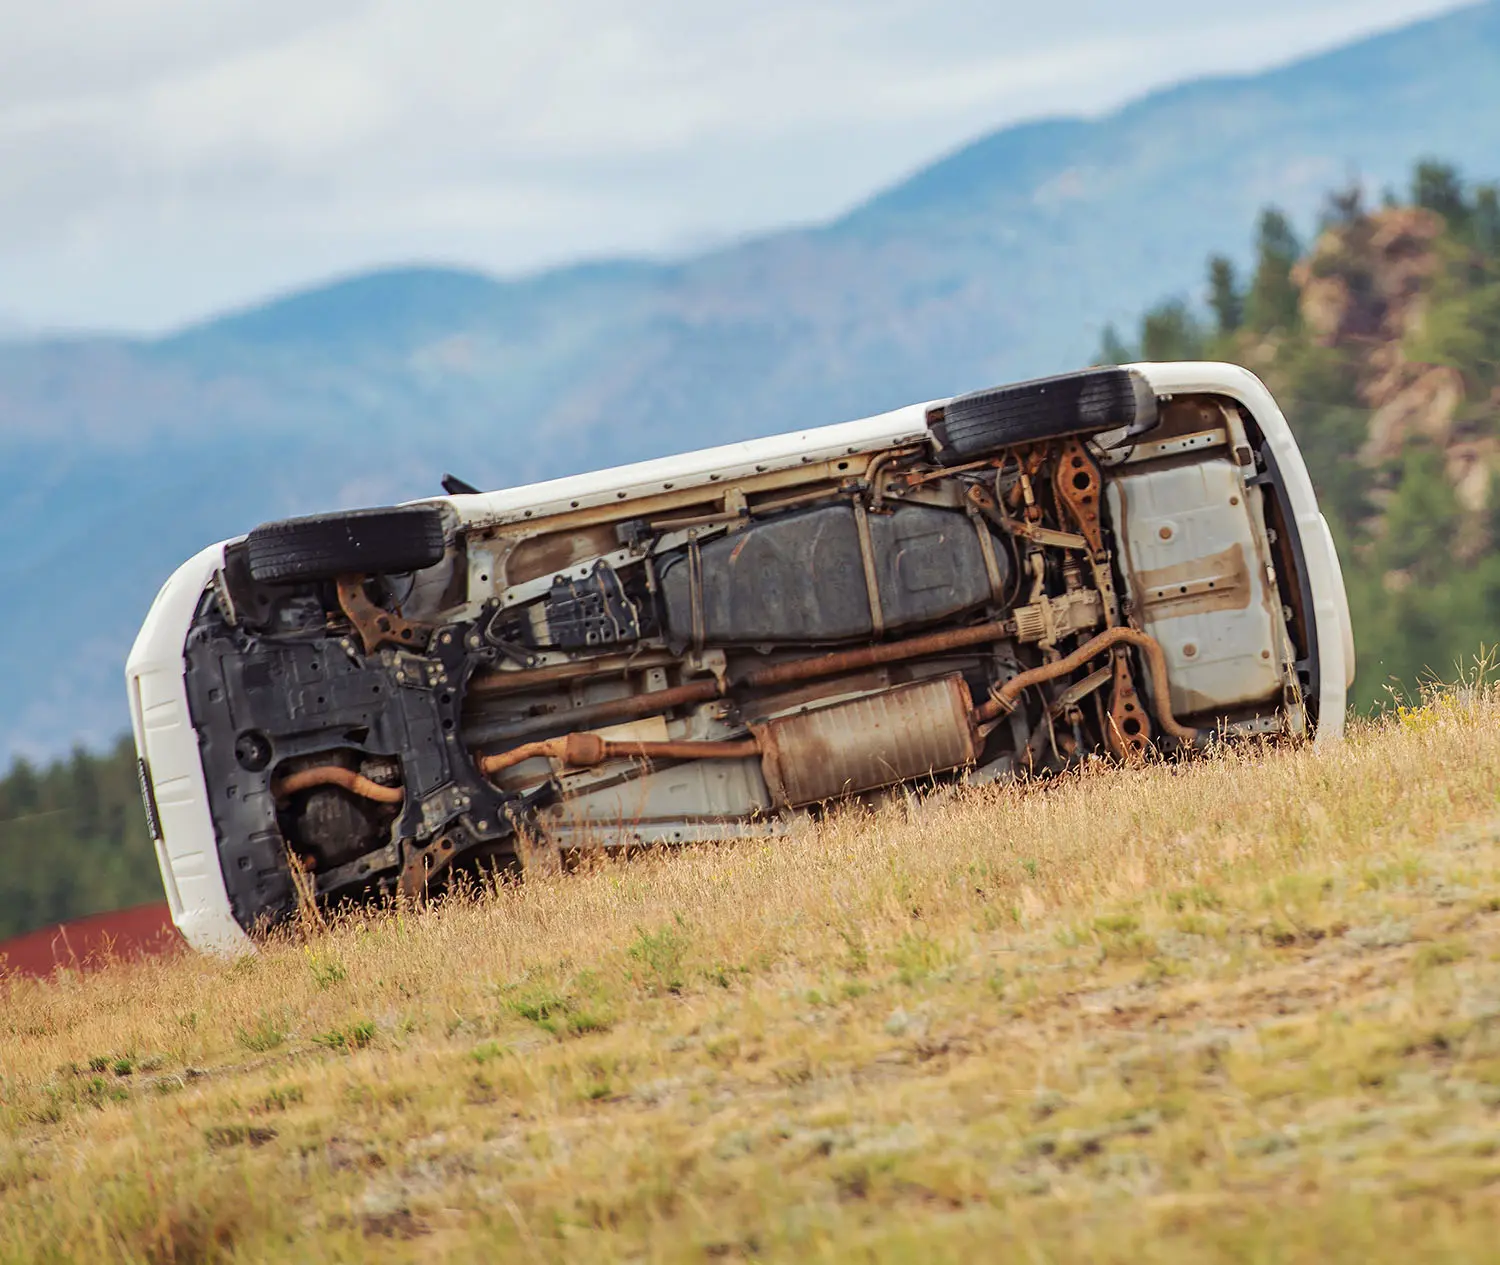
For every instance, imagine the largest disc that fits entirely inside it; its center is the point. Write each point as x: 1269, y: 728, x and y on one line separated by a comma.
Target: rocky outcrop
x: 1419, y: 401
x: 1365, y: 279
x: 1364, y: 287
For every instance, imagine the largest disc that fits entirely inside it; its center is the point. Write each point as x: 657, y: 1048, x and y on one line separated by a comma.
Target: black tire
x: 384, y: 541
x: 1092, y: 400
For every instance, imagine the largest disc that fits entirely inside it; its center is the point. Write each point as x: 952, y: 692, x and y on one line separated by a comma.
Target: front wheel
x: 385, y: 541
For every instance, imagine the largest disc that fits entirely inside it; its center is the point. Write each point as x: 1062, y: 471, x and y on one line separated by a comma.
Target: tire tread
x: 382, y: 541
x: 1090, y: 400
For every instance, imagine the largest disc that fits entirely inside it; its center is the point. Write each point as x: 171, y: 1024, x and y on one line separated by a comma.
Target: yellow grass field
x: 1246, y: 1009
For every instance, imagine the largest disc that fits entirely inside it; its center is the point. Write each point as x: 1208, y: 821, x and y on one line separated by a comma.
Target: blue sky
x: 165, y: 159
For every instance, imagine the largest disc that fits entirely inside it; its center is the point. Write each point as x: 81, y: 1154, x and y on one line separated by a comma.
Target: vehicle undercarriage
x: 714, y: 661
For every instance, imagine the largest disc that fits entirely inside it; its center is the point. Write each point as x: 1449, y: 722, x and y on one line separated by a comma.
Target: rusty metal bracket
x: 979, y: 497
x: 872, y: 575
x: 695, y: 594
x: 987, y: 552
x: 422, y: 865
x: 880, y: 481
x: 377, y: 627
x: 947, y: 472
x: 1080, y: 690
x: 1077, y: 483
x: 1129, y: 726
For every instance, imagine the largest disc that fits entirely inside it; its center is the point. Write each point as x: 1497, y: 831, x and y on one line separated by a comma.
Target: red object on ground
x: 86, y: 944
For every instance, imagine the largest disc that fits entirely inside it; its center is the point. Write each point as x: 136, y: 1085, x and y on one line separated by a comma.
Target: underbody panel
x: 722, y: 644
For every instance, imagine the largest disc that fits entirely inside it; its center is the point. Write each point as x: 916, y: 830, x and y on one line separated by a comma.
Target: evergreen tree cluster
x: 1422, y: 566
x: 73, y: 839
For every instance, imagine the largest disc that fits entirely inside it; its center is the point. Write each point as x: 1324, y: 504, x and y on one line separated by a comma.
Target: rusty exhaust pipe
x: 583, y: 750
x: 630, y: 707
x: 873, y: 656
x: 576, y: 749
x: 1005, y: 697
x: 633, y: 706
x: 334, y: 775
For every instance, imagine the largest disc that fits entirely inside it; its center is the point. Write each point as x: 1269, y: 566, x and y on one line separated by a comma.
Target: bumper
x: 172, y: 773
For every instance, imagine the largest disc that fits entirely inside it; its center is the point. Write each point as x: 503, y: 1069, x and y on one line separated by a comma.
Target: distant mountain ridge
x: 1004, y: 259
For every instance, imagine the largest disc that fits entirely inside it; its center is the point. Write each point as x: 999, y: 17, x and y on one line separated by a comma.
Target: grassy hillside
x: 1243, y: 1009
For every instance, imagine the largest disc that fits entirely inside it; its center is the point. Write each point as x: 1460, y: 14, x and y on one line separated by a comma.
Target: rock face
x: 1411, y: 400
x: 1365, y: 278
x: 1365, y: 288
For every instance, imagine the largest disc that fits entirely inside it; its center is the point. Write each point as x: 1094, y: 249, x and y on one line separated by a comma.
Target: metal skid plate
x: 1197, y: 576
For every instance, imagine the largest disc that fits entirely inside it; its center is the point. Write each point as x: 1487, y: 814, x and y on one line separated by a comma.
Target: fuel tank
x: 803, y: 577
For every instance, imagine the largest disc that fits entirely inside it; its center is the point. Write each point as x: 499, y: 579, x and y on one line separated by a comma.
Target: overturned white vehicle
x: 1117, y: 560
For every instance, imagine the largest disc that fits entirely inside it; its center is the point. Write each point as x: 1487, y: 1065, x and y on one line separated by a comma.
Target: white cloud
x: 161, y: 158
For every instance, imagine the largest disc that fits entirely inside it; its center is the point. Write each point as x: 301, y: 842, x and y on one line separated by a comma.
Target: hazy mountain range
x: 119, y: 457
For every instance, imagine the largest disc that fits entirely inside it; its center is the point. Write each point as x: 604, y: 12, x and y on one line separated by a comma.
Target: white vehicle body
x: 1186, y: 507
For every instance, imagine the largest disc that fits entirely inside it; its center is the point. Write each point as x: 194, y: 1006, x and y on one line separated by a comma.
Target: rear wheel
x: 384, y: 541
x: 1087, y: 402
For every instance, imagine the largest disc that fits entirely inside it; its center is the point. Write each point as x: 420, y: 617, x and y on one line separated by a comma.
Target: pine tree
x: 1224, y: 297
x: 86, y: 805
x: 1485, y: 222
x: 74, y: 841
x: 1437, y: 187
x: 1112, y: 350
x: 1272, y: 302
x: 21, y: 790
x: 1170, y: 331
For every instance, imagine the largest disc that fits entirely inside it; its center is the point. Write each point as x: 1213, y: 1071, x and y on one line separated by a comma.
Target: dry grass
x: 1247, y: 1009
